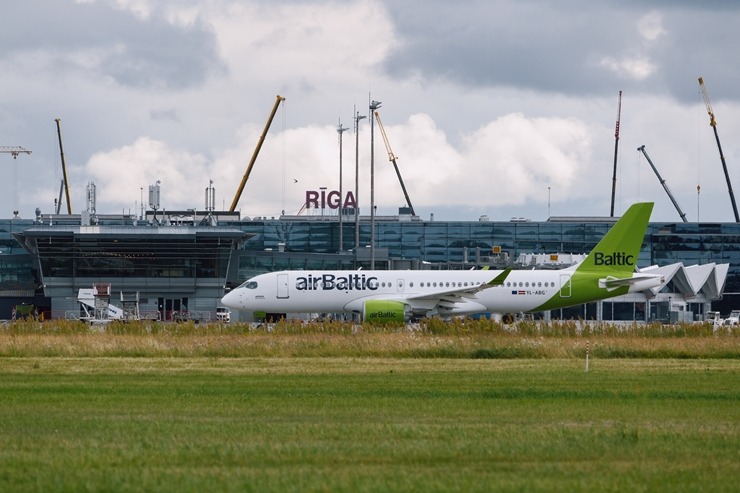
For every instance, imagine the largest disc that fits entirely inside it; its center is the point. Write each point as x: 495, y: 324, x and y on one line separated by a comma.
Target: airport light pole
x: 358, y: 117
x: 374, y: 105
x: 340, y: 131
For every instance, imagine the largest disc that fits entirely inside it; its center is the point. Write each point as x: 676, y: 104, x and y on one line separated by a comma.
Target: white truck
x: 223, y: 314
x: 732, y: 319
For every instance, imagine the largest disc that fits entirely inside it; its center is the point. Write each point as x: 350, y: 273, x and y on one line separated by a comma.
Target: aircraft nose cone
x: 231, y: 300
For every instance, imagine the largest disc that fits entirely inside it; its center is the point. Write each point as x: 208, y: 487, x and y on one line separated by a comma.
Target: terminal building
x: 183, y: 262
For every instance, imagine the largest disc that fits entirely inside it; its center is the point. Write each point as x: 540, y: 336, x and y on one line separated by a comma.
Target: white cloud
x: 638, y: 68
x: 335, y: 43
x: 218, y: 65
x: 650, y: 26
x: 119, y: 174
x: 515, y: 158
x: 510, y: 160
x: 639, y: 64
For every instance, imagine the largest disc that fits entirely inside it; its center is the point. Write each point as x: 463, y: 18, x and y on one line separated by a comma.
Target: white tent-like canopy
x: 694, y: 283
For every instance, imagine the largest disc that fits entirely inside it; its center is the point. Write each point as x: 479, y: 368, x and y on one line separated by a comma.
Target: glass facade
x: 301, y: 243
x: 430, y: 241
x: 183, y: 266
x: 17, y: 269
x: 130, y: 252
x: 458, y: 242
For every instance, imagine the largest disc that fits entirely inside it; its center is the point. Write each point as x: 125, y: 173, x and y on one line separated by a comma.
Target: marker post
x: 587, y: 355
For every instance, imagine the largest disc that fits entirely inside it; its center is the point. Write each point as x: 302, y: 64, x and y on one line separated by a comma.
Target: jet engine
x: 384, y: 311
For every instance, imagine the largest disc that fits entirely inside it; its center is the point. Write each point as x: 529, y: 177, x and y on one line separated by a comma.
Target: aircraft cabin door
x: 565, y: 286
x: 282, y: 286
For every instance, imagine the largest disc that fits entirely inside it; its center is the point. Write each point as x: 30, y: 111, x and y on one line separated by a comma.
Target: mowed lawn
x: 365, y: 424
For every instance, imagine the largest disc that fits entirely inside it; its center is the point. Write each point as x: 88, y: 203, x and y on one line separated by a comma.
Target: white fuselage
x: 608, y: 271
x: 346, y: 291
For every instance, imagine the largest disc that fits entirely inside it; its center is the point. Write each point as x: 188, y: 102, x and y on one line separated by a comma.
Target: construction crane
x: 392, y: 158
x: 14, y: 151
x: 616, y: 147
x: 238, y: 195
x: 662, y: 182
x: 713, y: 124
x: 65, y: 184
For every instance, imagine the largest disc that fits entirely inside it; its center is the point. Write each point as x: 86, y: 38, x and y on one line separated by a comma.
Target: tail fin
x: 618, y: 250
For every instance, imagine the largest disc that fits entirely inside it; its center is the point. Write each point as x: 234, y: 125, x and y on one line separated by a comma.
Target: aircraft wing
x: 452, y: 301
x: 444, y: 302
x: 466, y: 292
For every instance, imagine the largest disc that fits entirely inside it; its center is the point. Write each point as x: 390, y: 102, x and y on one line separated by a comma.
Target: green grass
x: 368, y: 424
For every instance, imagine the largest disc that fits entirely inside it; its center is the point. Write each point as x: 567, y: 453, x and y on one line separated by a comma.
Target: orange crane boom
x: 392, y: 158
x: 239, y: 191
x: 713, y: 124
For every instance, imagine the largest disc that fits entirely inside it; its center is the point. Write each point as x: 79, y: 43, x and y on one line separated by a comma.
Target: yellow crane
x: 65, y: 183
x: 239, y: 191
x: 392, y: 158
x: 713, y: 124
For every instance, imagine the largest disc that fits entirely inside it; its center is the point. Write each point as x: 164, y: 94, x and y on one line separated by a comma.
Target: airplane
x: 384, y: 296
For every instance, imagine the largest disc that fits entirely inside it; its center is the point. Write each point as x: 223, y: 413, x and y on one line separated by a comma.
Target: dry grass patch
x: 460, y: 339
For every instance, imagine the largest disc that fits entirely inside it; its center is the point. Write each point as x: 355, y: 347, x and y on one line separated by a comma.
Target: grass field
x: 183, y: 410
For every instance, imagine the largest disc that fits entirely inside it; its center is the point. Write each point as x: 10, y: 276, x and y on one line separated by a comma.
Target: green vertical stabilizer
x: 616, y: 254
x: 614, y: 257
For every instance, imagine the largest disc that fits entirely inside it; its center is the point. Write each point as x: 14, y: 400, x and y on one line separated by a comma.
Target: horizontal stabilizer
x: 638, y: 282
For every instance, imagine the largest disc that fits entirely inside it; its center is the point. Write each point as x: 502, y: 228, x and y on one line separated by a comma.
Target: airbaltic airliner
x: 395, y: 295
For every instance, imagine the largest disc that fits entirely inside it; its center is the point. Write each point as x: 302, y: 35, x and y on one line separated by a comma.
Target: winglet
x: 618, y: 250
x: 499, y: 279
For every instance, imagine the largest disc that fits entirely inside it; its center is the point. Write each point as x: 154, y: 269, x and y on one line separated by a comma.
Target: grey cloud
x: 559, y: 47
x: 164, y: 114
x: 134, y: 52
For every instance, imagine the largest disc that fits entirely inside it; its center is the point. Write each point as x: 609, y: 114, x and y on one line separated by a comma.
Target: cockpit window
x: 249, y: 285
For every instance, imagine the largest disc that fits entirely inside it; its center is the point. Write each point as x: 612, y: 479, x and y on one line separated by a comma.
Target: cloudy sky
x: 497, y: 107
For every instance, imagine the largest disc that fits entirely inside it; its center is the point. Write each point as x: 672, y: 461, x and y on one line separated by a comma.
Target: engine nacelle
x: 383, y: 312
